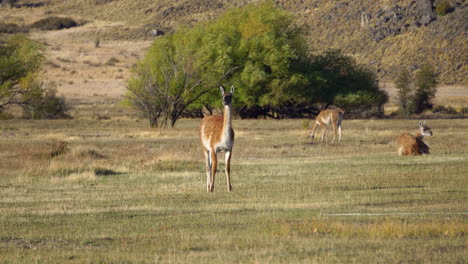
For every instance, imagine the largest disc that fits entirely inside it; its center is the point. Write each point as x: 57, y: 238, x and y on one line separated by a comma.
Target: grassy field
x: 119, y: 192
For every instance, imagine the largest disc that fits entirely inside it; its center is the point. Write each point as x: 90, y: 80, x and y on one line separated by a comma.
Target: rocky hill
x: 387, y: 35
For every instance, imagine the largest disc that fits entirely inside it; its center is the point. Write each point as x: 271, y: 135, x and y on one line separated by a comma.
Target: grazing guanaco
x: 217, y: 135
x: 324, y: 118
x: 408, y: 144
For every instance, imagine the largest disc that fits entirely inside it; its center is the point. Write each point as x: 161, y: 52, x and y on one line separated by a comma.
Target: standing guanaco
x: 324, y: 118
x: 217, y: 135
x: 408, y: 144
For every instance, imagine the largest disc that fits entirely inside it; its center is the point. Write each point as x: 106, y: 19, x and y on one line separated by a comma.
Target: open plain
x: 115, y: 191
x: 105, y: 188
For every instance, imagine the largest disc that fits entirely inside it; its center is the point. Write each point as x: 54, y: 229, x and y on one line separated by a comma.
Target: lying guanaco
x: 408, y: 144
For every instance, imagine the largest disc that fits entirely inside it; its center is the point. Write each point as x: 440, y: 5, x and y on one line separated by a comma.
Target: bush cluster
x: 264, y: 54
x: 20, y: 61
x: 415, y: 95
x: 11, y: 28
x: 54, y: 23
x: 443, y: 7
x: 446, y: 109
x: 46, y: 106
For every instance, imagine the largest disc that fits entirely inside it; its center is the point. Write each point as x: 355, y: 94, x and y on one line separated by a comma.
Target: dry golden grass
x: 124, y: 192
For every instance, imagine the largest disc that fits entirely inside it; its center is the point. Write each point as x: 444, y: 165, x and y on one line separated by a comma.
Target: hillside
x: 387, y: 35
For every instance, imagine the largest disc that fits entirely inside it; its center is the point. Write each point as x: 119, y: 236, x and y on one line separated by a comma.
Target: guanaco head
x: 227, y: 97
x: 425, y: 130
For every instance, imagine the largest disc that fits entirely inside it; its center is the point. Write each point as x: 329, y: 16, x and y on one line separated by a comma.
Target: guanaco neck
x: 227, y: 125
x: 419, y: 135
x: 314, y: 127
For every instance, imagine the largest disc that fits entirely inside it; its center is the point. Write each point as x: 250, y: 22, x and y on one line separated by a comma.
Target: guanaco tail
x: 324, y: 118
x: 217, y: 135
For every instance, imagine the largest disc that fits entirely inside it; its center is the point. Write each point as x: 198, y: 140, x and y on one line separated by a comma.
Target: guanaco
x: 217, y: 135
x: 324, y: 118
x: 408, y: 144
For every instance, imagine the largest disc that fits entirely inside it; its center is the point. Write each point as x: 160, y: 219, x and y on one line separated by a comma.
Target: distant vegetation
x: 443, y: 7
x: 49, y: 23
x: 416, y: 94
x: 54, y: 23
x: 20, y: 61
x: 12, y: 28
x: 261, y: 52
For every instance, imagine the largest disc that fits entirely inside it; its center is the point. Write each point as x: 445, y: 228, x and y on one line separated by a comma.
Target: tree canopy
x: 20, y: 60
x: 261, y: 51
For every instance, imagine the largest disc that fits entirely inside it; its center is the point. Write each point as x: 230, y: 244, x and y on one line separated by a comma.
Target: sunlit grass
x: 125, y: 193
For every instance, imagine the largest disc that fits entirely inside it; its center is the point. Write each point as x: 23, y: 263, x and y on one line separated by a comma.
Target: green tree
x: 20, y: 61
x: 342, y: 81
x: 404, y: 89
x: 171, y: 77
x: 426, y: 89
x: 257, y: 47
x: 261, y: 51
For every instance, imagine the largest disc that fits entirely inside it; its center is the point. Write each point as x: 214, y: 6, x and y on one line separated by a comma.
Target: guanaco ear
x: 420, y: 124
x: 232, y: 89
x: 221, y: 88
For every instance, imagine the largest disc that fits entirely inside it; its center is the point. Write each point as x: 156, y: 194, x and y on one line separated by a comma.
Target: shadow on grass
x: 106, y: 172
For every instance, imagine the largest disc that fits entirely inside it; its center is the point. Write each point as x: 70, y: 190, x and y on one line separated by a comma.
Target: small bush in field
x: 59, y: 148
x: 362, y: 104
x: 425, y: 91
x: 112, y: 61
x: 43, y: 103
x: 11, y: 28
x: 443, y: 7
x: 444, y: 109
x: 97, y: 42
x: 54, y: 23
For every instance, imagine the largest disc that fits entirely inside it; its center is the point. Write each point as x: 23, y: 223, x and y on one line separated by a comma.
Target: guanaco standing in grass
x: 324, y: 118
x: 217, y: 135
x: 408, y: 144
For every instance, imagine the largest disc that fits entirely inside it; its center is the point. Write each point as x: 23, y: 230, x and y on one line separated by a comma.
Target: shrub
x: 97, y: 42
x: 54, y: 23
x: 344, y: 82
x: 43, y: 103
x: 20, y: 60
x: 112, y: 61
x: 362, y: 104
x: 444, y: 109
x: 403, y: 86
x: 102, y: 2
x: 443, y: 7
x: 11, y: 28
x: 426, y: 88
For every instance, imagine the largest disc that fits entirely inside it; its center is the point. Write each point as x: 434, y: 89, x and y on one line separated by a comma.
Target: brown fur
x: 408, y: 144
x: 212, y: 126
x: 217, y: 135
x: 334, y: 116
x: 411, y: 145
